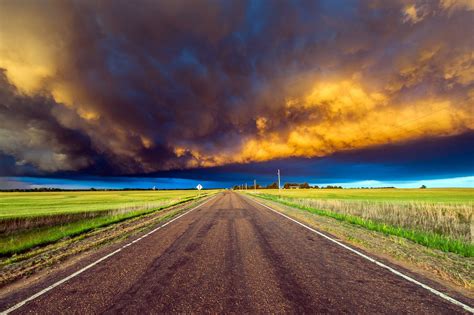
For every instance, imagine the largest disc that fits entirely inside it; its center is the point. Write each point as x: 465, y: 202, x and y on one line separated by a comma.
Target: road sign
x: 199, y: 186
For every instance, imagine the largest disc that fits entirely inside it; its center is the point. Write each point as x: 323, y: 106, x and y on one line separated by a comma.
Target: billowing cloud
x: 131, y: 87
x: 31, y: 132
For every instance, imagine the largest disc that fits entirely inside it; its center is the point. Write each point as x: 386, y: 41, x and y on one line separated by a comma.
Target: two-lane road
x: 233, y: 255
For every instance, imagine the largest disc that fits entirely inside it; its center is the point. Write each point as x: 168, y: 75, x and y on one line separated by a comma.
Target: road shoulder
x: 45, y: 262
x: 446, y: 269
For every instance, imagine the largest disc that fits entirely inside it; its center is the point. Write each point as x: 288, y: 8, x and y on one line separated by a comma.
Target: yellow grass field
x: 425, y: 215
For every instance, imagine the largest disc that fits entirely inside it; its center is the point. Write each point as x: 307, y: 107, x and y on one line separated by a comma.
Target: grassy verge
x: 450, y: 269
x: 41, y: 257
x: 23, y: 240
x: 429, y: 239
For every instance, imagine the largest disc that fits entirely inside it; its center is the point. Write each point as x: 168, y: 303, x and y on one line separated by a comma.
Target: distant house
x: 293, y: 187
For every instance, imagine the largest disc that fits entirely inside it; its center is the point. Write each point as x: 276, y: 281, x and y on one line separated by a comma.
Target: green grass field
x: 33, y: 204
x: 437, y: 218
x: 30, y: 219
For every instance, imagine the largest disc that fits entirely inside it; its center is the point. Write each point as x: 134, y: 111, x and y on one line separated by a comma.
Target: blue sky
x: 175, y: 183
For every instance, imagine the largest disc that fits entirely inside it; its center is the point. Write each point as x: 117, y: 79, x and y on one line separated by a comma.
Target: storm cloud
x: 136, y: 87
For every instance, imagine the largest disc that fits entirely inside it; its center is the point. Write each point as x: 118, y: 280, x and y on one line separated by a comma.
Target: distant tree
x: 272, y: 186
x: 315, y: 187
x: 423, y: 187
x: 332, y: 187
x: 305, y: 186
x: 236, y: 187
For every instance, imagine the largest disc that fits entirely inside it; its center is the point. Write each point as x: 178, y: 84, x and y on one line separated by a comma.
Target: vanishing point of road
x: 233, y: 255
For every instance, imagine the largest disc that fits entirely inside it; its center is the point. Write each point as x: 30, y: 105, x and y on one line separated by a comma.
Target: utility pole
x: 245, y: 186
x: 279, y: 187
x: 255, y: 185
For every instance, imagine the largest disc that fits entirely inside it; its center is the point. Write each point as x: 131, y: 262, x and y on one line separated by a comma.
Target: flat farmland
x: 31, y: 219
x: 442, y: 195
x: 34, y: 204
x: 437, y: 218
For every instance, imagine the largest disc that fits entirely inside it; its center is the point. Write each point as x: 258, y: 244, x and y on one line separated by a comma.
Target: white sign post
x: 199, y: 187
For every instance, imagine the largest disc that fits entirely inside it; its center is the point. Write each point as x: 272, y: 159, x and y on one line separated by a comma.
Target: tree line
x: 287, y: 186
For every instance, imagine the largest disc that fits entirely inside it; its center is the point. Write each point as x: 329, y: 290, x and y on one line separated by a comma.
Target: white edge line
x: 38, y: 294
x: 398, y: 273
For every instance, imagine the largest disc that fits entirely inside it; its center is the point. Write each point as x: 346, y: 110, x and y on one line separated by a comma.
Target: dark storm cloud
x: 123, y: 87
x: 31, y: 132
x: 445, y: 157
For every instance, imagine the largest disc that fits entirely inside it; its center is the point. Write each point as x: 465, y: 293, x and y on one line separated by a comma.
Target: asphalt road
x: 234, y: 256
